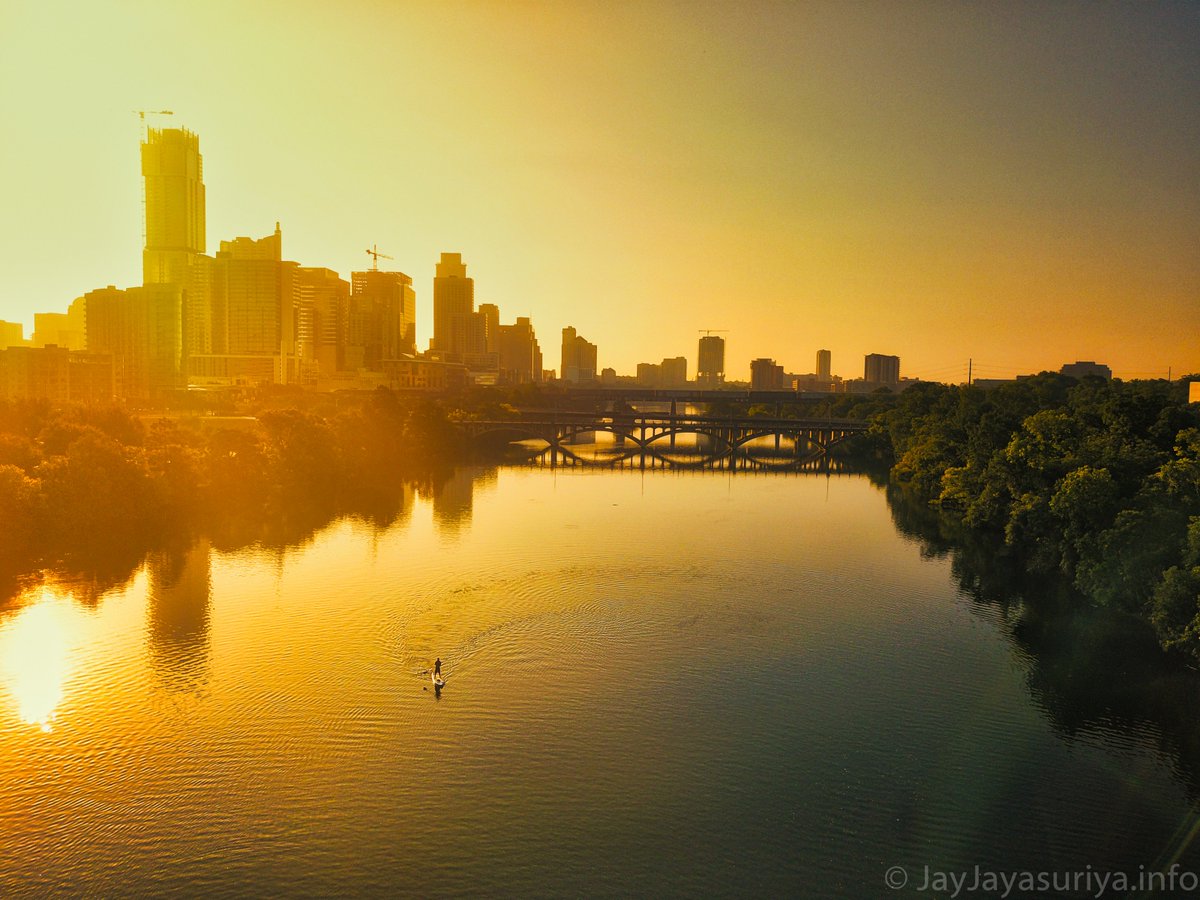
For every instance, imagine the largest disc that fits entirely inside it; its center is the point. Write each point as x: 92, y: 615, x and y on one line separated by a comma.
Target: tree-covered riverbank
x: 94, y: 488
x: 1098, y: 480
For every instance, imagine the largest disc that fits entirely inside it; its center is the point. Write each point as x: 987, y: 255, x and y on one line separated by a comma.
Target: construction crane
x: 142, y: 113
x: 708, y: 331
x: 373, y: 252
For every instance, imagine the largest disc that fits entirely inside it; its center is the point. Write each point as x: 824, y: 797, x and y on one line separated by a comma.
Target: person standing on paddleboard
x: 437, y: 668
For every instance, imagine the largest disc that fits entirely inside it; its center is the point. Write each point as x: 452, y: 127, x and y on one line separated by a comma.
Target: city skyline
x: 1023, y: 230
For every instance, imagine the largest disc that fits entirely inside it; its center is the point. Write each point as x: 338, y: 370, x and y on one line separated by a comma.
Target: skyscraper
x: 710, y: 367
x: 248, y: 271
x: 824, y: 363
x: 520, y: 356
x: 453, y: 307
x: 382, y: 318
x: 254, y: 314
x: 881, y: 369
x: 173, y: 175
x: 489, y: 317
x: 322, y: 308
x: 174, y: 183
x: 578, y: 357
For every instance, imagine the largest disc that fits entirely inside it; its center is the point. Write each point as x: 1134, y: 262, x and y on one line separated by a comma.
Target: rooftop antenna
x: 373, y: 252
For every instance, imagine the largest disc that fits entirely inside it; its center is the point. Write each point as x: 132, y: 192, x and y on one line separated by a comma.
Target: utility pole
x: 970, y: 364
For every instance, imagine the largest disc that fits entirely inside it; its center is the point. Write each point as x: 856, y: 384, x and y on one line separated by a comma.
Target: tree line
x: 88, y: 487
x: 1096, y: 479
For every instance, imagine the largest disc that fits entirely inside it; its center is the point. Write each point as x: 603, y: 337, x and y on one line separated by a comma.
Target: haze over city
x: 935, y: 181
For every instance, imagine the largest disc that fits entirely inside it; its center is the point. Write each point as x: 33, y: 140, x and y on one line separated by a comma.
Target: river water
x: 658, y: 684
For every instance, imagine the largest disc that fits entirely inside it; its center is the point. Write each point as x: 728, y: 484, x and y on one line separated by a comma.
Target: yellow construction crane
x: 373, y: 252
x: 142, y: 113
x: 707, y: 331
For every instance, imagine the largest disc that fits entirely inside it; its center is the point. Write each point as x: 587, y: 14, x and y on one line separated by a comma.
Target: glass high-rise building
x: 174, y: 184
x: 453, y: 308
x: 383, y: 317
x: 710, y: 367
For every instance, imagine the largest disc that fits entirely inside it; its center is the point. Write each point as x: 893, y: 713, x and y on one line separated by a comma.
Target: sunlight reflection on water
x: 35, y: 658
x: 640, y: 667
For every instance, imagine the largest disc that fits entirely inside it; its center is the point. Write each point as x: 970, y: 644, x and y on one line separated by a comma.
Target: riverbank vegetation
x: 94, y: 488
x: 1098, y: 480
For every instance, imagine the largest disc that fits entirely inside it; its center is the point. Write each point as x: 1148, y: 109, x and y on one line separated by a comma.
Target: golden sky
x: 1014, y: 183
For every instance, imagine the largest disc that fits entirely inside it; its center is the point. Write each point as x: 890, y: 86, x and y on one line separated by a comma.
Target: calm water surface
x: 658, y: 684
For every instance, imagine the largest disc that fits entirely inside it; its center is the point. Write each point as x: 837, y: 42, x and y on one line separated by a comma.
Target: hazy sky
x: 1017, y: 183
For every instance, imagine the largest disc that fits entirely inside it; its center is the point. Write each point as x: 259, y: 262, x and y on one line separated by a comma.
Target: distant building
x: 1086, y: 368
x: 253, y: 314
x: 578, y: 357
x: 990, y: 384
x: 381, y: 320
x: 414, y: 372
x: 881, y: 369
x: 60, y: 329
x: 174, y: 252
x: 674, y: 372
x: 824, y: 364
x: 765, y: 375
x: 460, y: 333
x: 12, y: 334
x: 453, y: 308
x: 483, y: 350
x: 649, y: 374
x: 489, y: 319
x: 608, y: 376
x: 90, y: 377
x: 811, y: 382
x: 322, y: 319
x: 141, y: 328
x: 710, y: 366
x: 56, y: 374
x: 173, y: 174
x: 520, y: 357
x: 35, y: 373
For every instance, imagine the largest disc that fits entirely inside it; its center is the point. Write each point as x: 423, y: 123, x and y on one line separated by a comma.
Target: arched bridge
x: 688, y: 441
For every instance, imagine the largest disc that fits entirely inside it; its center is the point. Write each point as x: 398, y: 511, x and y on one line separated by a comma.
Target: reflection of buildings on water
x: 453, y: 499
x: 177, y: 616
x: 388, y: 508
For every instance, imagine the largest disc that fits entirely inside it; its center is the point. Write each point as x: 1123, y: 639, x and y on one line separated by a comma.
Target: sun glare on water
x: 35, y: 661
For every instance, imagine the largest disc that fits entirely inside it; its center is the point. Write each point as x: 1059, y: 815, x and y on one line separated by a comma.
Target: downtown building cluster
x: 246, y: 316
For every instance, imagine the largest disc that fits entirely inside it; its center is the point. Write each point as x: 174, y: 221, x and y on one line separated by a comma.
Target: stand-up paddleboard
x: 438, y: 682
